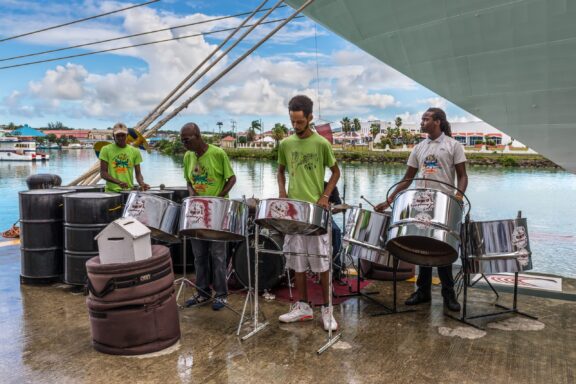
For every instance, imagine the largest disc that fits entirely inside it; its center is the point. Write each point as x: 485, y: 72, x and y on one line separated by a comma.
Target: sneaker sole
x: 303, y: 318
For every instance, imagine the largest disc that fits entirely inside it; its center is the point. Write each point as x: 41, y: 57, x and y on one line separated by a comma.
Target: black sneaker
x: 451, y: 302
x: 196, y: 300
x: 219, y: 303
x: 418, y: 297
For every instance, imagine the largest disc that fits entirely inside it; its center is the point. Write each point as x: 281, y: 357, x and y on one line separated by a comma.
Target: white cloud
x: 436, y: 102
x: 351, y: 81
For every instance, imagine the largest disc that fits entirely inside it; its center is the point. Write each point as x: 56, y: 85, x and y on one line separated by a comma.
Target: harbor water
x: 546, y: 197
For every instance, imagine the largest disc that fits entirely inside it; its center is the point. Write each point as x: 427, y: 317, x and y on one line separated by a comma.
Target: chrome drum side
x: 499, y: 246
x: 292, y: 217
x: 365, y: 236
x: 155, y: 212
x: 425, y: 227
x: 213, y: 218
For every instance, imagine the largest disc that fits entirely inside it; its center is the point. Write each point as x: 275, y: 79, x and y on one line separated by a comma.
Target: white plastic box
x: 124, y: 241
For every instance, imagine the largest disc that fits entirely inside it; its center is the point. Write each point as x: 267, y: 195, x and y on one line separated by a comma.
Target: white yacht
x: 20, y: 149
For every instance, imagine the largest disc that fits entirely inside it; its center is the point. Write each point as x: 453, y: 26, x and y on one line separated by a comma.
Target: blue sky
x: 97, y: 90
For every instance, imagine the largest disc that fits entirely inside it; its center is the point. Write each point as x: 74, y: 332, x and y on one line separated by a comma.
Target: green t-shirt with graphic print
x: 306, y: 161
x: 121, y: 162
x: 208, y: 173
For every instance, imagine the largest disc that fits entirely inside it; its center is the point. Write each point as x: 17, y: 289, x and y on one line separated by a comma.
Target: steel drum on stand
x: 213, y: 218
x: 178, y: 193
x: 157, y: 213
x: 365, y: 236
x: 499, y: 246
x: 425, y: 227
x: 292, y: 217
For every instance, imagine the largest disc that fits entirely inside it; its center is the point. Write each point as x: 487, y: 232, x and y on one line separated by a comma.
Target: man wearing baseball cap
x: 118, y: 161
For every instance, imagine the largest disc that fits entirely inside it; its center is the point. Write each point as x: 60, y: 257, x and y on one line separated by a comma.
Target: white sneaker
x: 299, y: 311
x: 328, y: 319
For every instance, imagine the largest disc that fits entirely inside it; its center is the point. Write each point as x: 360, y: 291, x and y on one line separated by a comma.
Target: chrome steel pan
x: 499, y: 246
x: 365, y: 235
x: 425, y: 227
x: 292, y: 217
x: 157, y: 213
x: 213, y: 218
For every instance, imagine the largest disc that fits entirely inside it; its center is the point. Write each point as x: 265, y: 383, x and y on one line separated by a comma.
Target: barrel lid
x: 51, y: 191
x: 80, y: 187
x: 91, y: 195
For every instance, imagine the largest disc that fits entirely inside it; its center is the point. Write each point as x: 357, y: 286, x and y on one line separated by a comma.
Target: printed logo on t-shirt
x: 121, y: 163
x: 200, y: 179
x: 309, y: 161
x: 431, y: 165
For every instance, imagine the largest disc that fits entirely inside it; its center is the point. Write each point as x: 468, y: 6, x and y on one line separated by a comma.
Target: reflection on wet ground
x: 45, y: 338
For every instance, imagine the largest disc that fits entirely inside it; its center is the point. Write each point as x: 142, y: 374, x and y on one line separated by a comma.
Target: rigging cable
x: 77, y: 21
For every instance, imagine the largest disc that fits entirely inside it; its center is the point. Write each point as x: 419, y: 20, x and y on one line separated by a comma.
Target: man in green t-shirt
x: 306, y: 155
x: 118, y: 162
x: 208, y: 172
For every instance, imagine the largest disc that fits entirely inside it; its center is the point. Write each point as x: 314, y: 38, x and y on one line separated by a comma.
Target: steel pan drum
x: 157, y: 213
x: 213, y: 218
x: 292, y: 217
x: 365, y: 236
x: 499, y: 246
x: 425, y: 227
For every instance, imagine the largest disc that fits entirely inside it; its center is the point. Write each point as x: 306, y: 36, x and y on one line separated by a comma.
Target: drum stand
x: 184, y: 281
x: 252, y: 294
x: 465, y: 278
x: 257, y: 327
x: 366, y: 295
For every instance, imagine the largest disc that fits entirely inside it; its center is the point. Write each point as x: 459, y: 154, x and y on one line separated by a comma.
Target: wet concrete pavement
x: 45, y: 338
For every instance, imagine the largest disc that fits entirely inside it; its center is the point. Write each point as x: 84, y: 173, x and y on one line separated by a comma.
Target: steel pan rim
x: 474, y: 222
x: 452, y: 197
x: 431, y: 224
x: 289, y: 199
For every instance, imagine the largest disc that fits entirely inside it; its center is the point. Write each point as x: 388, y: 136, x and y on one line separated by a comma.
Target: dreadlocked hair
x: 439, y: 114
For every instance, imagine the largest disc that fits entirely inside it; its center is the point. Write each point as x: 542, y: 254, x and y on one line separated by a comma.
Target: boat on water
x: 74, y: 146
x: 20, y: 149
x: 48, y: 146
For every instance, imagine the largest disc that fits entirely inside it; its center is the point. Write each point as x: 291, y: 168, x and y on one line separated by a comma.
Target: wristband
x: 326, y: 196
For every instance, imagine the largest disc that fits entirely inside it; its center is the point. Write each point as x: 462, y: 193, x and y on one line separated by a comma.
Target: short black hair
x: 301, y: 103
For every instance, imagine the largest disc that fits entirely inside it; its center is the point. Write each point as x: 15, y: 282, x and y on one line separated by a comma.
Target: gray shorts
x: 317, y: 246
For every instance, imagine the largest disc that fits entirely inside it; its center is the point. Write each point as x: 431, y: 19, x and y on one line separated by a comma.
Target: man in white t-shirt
x: 441, y: 158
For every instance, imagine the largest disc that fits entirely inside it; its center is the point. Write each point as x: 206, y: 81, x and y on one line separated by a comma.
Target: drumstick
x: 366, y: 200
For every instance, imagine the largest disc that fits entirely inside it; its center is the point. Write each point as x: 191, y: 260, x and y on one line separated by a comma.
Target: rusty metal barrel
x: 85, y: 215
x: 41, y: 235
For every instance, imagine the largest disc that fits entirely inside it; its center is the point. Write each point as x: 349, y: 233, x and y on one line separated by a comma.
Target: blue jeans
x: 204, y: 250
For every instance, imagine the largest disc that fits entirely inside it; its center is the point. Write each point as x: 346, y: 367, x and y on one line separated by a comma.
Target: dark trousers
x: 204, y: 251
x: 424, y: 282
x: 336, y: 245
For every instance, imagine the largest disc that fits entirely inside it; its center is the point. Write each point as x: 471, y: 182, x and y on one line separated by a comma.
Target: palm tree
x: 398, y: 122
x: 356, y: 125
x: 220, y: 124
x: 346, y: 125
x: 256, y: 125
x: 279, y: 132
x: 374, y: 130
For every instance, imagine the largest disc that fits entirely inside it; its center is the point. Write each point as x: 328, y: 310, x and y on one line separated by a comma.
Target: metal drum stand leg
x: 331, y: 338
x: 184, y: 281
x: 394, y: 310
x: 253, y: 291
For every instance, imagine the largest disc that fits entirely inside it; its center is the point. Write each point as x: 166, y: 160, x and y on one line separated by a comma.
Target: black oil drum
x: 43, y: 181
x: 83, y: 188
x: 180, y: 193
x: 41, y: 235
x: 85, y: 215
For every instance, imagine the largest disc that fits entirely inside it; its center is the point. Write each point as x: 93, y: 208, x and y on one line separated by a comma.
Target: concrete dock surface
x: 45, y: 338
